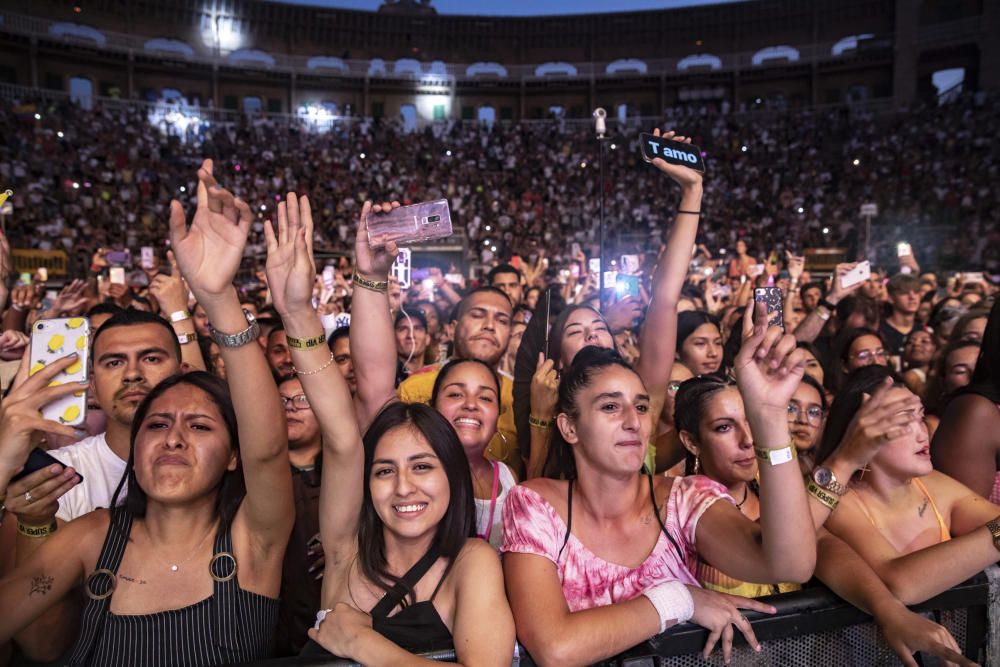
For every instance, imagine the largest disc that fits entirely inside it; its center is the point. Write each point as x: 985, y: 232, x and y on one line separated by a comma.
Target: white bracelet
x: 320, y: 617
x: 672, y: 601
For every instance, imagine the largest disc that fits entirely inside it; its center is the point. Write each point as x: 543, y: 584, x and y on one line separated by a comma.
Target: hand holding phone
x: 52, y: 340
x: 410, y: 224
x: 772, y: 299
x: 671, y: 152
x: 859, y: 274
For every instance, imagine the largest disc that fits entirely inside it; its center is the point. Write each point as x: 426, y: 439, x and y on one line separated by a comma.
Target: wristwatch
x: 185, y: 338
x: 825, y: 479
x: 239, y: 339
x: 993, y: 525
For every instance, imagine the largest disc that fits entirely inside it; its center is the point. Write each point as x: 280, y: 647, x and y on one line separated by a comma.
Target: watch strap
x: 180, y: 316
x: 833, y: 486
x: 993, y: 525
x: 185, y: 338
x: 240, y: 338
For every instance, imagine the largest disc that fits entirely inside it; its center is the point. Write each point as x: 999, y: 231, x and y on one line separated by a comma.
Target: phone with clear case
x: 51, y: 340
x: 410, y: 224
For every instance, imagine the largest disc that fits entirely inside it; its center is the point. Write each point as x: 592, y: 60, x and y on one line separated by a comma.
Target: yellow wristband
x: 541, y: 423
x: 825, y: 498
x: 37, y: 531
x: 306, y: 343
x: 373, y: 285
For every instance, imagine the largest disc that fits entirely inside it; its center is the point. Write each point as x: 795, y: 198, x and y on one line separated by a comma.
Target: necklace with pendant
x: 175, y: 567
x: 746, y: 494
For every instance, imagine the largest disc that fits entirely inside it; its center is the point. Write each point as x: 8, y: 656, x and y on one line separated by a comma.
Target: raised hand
x: 171, y: 291
x: 544, y: 388
x: 373, y: 263
x: 71, y: 300
x: 291, y: 271
x: 878, y: 420
x: 796, y: 265
x: 719, y: 613
x: 768, y: 366
x: 13, y: 343
x: 683, y: 176
x: 837, y: 290
x: 210, y: 251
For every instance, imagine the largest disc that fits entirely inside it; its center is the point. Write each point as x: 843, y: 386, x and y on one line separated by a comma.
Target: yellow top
x: 503, y: 447
x: 714, y: 580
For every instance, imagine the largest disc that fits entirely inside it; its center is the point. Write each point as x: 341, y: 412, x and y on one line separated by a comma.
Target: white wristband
x: 672, y: 602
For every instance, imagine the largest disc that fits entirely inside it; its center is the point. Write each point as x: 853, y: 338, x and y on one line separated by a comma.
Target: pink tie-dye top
x: 532, y: 526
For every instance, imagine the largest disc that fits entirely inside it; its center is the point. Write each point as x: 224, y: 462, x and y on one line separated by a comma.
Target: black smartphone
x: 772, y: 300
x: 673, y: 152
x: 38, y: 459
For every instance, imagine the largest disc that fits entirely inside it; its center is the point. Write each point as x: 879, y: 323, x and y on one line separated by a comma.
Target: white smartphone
x: 328, y: 277
x: 858, y: 274
x: 51, y: 340
x: 146, y: 257
x: 594, y: 265
x: 756, y: 270
x: 117, y: 275
x: 903, y: 250
x: 630, y: 264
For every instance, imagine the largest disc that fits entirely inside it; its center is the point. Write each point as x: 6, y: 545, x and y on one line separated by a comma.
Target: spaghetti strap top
x: 231, y: 626
x: 417, y: 627
x: 943, y: 533
x: 656, y: 513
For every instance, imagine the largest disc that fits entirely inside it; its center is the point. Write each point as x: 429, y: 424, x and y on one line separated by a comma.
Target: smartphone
x: 672, y: 152
x: 630, y: 264
x: 756, y: 270
x: 903, y: 250
x: 38, y: 459
x: 574, y: 270
x: 771, y: 297
x: 453, y: 278
x: 574, y: 249
x: 610, y: 278
x: 410, y: 224
x: 428, y: 286
x: 401, y: 268
x: 858, y: 274
x: 117, y: 275
x: 594, y: 265
x: 119, y: 257
x: 146, y: 258
x: 626, y: 286
x: 328, y: 278
x: 52, y: 340
x: 43, y: 274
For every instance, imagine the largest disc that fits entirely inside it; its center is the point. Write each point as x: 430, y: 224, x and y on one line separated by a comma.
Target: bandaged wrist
x: 672, y: 601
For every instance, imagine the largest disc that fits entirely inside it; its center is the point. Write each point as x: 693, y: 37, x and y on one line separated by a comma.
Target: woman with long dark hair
x: 601, y: 559
x: 966, y: 444
x: 201, y: 539
x: 404, y: 573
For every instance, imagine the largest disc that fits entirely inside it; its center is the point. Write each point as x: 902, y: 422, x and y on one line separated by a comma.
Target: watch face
x: 822, y: 476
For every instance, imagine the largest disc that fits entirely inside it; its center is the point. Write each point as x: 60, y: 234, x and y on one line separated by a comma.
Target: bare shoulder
x: 945, y: 489
x: 474, y: 556
x: 552, y: 490
x: 86, y: 534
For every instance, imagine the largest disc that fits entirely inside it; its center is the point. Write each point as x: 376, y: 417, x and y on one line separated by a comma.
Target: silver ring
x: 320, y: 617
x: 28, y: 498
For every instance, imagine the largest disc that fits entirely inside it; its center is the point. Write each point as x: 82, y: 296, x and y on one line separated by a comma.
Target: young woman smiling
x: 403, y: 571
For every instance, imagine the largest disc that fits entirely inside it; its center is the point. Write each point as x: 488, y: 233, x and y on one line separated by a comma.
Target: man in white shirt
x: 131, y: 353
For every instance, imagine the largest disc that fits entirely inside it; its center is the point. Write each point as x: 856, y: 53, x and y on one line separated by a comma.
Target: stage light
x: 183, y: 189
x: 801, y: 210
x: 60, y: 135
x: 613, y: 146
x: 826, y: 230
x: 38, y: 116
x: 856, y: 162
x: 493, y: 249
x: 362, y: 156
x: 744, y: 149
x: 448, y: 153
x: 76, y: 186
x: 583, y: 165
x: 263, y: 207
x: 486, y: 242
x: 489, y: 228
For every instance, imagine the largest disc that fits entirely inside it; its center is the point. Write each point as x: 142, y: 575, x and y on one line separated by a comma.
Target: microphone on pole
x: 599, y: 115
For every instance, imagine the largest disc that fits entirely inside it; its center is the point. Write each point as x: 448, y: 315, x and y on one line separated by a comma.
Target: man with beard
x: 482, y: 331
x: 279, y: 357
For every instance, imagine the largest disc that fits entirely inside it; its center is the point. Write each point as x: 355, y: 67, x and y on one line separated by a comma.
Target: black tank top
x: 233, y: 625
x: 417, y: 627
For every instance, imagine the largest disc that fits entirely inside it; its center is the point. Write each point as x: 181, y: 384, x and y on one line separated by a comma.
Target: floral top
x: 532, y: 526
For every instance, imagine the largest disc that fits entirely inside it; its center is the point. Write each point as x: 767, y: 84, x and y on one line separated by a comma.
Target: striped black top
x: 231, y: 626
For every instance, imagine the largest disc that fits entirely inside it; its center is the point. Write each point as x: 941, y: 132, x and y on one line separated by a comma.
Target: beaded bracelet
x: 306, y: 343
x: 373, y: 285
x: 321, y: 368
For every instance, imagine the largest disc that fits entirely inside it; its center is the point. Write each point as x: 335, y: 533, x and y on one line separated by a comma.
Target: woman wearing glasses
x: 806, y: 411
x: 857, y: 348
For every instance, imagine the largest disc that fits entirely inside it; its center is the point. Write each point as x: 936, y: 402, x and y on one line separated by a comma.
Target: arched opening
x: 172, y: 46
x: 555, y: 69
x: 948, y: 83
x: 775, y: 53
x: 327, y: 63
x: 81, y: 92
x: 172, y: 96
x: 251, y: 56
x: 76, y: 31
x: 376, y: 66
x: 253, y: 105
x: 849, y: 43
x: 408, y: 112
x: 487, y: 114
x: 483, y: 68
x: 699, y: 61
x: 407, y: 66
x: 626, y: 65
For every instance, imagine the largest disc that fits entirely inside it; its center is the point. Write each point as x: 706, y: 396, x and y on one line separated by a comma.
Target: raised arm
x: 812, y: 326
x: 373, y: 343
x: 657, y: 343
x: 290, y: 275
x: 967, y: 442
x: 209, y: 254
x: 172, y: 295
x: 782, y: 547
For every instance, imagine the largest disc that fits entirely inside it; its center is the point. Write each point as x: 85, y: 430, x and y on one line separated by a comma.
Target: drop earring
x: 697, y: 464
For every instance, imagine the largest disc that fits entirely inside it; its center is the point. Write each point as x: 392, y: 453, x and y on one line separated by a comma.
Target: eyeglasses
x: 299, y: 401
x: 814, y: 413
x: 865, y: 355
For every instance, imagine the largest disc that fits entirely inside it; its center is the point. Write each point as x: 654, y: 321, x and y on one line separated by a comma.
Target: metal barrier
x: 812, y: 627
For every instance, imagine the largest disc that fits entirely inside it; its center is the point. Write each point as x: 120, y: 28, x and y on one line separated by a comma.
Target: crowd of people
x: 324, y: 460
x: 794, y: 179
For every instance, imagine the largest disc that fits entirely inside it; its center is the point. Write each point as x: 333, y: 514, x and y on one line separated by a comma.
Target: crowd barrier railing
x: 813, y: 627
